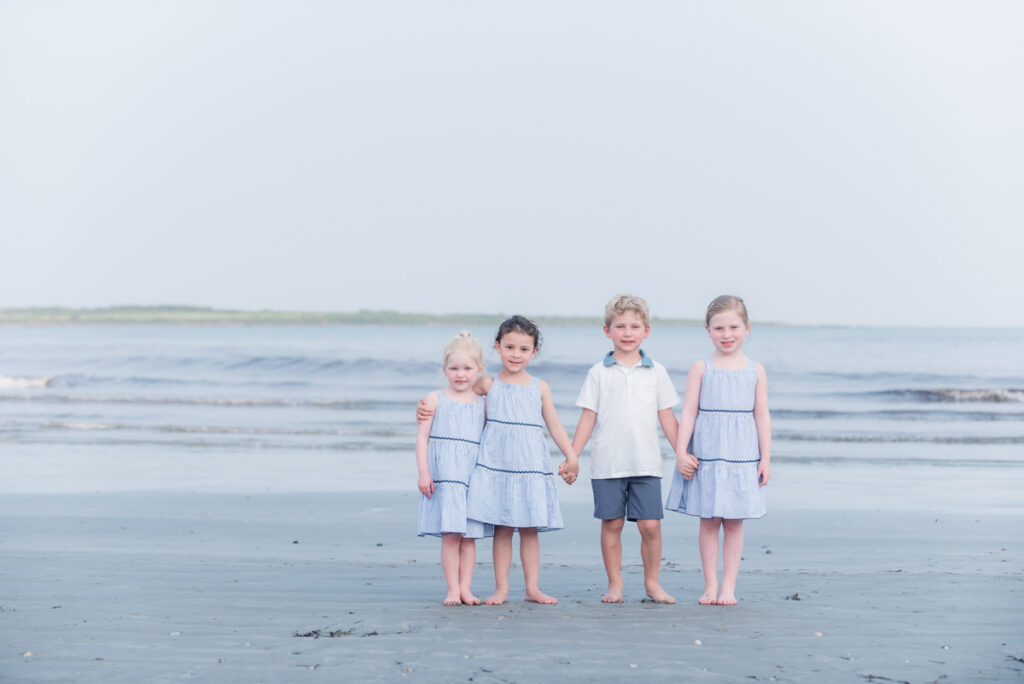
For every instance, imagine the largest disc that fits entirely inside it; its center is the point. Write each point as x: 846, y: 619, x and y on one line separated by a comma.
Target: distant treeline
x: 194, y: 315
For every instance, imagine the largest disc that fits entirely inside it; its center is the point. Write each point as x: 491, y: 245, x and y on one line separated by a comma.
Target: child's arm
x: 425, y: 483
x: 763, y: 421
x: 570, y: 468
x: 686, y: 463
x: 668, y: 399
x: 584, y: 429
x: 587, y: 400
x: 669, y: 425
x: 481, y: 387
x: 424, y: 414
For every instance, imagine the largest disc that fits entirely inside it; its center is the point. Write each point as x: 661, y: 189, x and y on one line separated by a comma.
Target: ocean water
x: 837, y: 395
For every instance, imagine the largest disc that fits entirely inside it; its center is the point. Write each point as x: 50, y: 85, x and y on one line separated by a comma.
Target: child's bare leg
x: 467, y: 560
x: 502, y: 563
x: 708, y: 542
x: 650, y: 552
x: 529, y: 555
x: 450, y: 565
x: 611, y: 551
x: 732, y: 550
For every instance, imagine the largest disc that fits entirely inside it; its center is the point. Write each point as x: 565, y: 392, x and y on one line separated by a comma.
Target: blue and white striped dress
x: 513, y: 483
x: 451, y: 455
x: 725, y: 442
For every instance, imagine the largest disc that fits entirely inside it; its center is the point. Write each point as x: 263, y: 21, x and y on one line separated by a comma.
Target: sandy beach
x: 919, y: 582
x: 240, y: 236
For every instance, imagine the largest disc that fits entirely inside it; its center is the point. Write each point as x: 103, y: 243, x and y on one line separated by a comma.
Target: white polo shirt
x: 625, y: 442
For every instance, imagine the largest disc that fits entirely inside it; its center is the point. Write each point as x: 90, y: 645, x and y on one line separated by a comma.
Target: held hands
x: 687, y: 465
x: 569, y: 471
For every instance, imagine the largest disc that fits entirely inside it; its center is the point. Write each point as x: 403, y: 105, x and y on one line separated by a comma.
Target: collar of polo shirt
x: 645, y: 360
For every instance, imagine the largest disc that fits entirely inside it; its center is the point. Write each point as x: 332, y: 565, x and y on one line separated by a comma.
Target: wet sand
x: 919, y: 581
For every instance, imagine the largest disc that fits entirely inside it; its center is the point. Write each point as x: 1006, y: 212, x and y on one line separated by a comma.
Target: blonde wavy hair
x: 620, y: 304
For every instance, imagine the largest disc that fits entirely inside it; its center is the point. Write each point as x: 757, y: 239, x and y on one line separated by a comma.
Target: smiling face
x: 727, y: 330
x: 627, y: 330
x: 461, y: 371
x: 515, y: 349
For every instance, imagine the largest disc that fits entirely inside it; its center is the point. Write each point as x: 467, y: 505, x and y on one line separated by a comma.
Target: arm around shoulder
x: 425, y: 409
x: 483, y: 385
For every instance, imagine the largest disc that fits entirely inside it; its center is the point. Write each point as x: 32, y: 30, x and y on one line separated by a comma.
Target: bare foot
x: 453, y: 599
x: 659, y: 595
x: 726, y: 599
x: 710, y: 596
x: 540, y: 597
x: 614, y: 595
x: 497, y: 598
x: 469, y: 599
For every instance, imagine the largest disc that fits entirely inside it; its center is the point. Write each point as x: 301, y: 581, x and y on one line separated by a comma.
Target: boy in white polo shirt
x: 625, y: 397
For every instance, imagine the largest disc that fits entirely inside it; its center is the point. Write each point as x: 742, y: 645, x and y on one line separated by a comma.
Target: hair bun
x: 464, y: 342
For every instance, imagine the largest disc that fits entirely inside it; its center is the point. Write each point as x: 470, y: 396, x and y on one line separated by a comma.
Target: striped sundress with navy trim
x: 513, y: 483
x: 451, y: 456
x: 725, y: 443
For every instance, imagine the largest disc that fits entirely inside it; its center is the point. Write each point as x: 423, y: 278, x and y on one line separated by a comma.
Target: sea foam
x: 21, y: 383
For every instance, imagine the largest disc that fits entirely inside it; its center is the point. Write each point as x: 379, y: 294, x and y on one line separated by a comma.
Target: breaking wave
x: 23, y: 383
x: 957, y: 395
x: 896, y: 439
x: 929, y: 415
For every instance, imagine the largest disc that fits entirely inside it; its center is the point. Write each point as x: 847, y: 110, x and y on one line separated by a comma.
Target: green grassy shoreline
x: 193, y: 315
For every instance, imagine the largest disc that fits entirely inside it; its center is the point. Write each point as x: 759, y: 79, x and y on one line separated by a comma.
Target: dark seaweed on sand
x: 329, y: 634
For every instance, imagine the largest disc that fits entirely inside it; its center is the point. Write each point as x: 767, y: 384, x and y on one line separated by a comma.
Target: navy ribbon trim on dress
x: 725, y: 410
x: 457, y: 482
x: 455, y: 439
x: 512, y: 422
x: 512, y: 472
x: 726, y: 460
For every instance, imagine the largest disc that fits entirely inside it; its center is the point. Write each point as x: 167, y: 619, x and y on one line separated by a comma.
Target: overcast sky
x: 832, y: 162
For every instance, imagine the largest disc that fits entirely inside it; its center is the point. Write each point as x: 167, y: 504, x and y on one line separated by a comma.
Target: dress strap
x: 442, y: 396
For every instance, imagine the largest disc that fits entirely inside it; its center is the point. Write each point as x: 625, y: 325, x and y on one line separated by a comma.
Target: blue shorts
x: 636, y: 498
